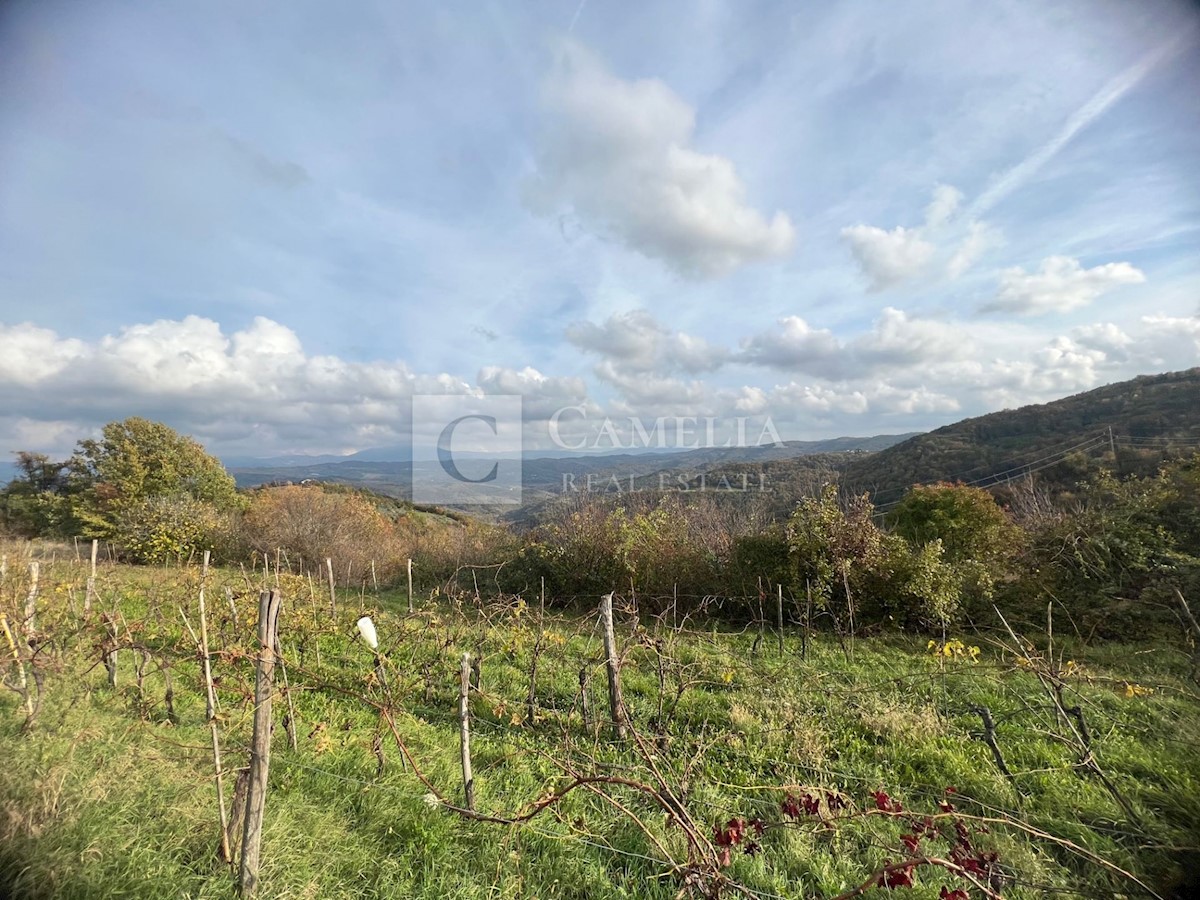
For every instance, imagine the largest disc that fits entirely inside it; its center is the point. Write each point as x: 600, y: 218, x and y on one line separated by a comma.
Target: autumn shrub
x: 857, y: 573
x: 311, y: 524
x: 171, y: 527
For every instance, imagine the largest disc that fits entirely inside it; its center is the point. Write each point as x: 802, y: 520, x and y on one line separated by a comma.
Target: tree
x: 153, y: 491
x: 841, y: 554
x: 965, y: 519
x: 37, y: 502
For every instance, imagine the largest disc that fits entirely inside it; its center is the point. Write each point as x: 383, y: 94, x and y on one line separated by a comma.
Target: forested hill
x: 1150, y: 417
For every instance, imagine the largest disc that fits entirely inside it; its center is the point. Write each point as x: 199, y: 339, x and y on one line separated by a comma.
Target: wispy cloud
x: 1096, y: 107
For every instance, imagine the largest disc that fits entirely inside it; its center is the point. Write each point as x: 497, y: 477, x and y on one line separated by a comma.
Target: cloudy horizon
x: 271, y: 227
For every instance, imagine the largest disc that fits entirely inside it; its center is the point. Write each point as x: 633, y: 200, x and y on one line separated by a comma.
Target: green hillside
x: 1141, y: 421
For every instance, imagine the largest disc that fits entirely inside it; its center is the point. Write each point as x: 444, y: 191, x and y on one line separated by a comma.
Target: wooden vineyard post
x: 260, y: 747
x: 332, y: 594
x: 807, y: 619
x: 779, y: 615
x: 613, y: 663
x: 31, y: 598
x: 91, y: 582
x: 410, y: 596
x: 210, y: 709
x: 464, y: 729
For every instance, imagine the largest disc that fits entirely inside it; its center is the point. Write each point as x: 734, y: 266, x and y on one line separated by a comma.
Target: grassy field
x: 110, y: 793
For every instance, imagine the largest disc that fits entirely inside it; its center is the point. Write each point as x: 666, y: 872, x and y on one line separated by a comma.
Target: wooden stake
x: 410, y: 594
x: 31, y: 599
x: 779, y: 615
x: 613, y: 664
x: 210, y: 710
x: 260, y: 748
x: 22, y: 682
x: 91, y: 582
x: 332, y: 594
x: 464, y: 729
x: 807, y: 619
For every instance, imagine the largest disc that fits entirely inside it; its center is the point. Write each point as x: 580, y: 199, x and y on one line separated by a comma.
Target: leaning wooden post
x: 779, y: 615
x: 410, y: 596
x: 615, y: 703
x: 332, y: 593
x: 464, y: 729
x: 260, y: 748
x: 210, y: 710
x: 19, y: 663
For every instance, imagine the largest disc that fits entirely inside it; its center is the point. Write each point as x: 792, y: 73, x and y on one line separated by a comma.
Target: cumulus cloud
x: 255, y: 389
x: 888, y: 257
x: 637, y: 342
x: 1060, y: 284
x: 846, y: 399
x: 895, y: 341
x: 542, y: 394
x: 619, y: 153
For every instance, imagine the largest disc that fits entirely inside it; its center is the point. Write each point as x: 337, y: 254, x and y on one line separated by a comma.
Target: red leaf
x: 886, y: 803
x: 895, y: 878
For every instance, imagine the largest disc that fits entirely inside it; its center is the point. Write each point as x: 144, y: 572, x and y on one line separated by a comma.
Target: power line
x: 1021, y: 468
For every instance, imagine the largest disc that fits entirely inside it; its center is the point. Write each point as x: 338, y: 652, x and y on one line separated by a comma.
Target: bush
x: 307, y: 522
x: 162, y: 528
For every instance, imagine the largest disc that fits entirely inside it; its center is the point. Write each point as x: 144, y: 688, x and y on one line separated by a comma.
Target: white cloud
x: 635, y: 342
x: 1060, y: 285
x: 1106, y: 337
x: 542, y: 395
x: 980, y: 238
x: 618, y: 152
x: 796, y: 344
x: 30, y: 354
x: 894, y: 342
x: 888, y: 257
x: 944, y: 204
x: 255, y: 389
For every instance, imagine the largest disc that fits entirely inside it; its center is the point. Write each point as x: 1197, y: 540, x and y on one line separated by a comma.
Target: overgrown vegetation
x: 836, y: 702
x: 801, y: 774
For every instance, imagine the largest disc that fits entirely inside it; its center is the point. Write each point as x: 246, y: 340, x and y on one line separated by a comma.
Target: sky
x: 272, y: 224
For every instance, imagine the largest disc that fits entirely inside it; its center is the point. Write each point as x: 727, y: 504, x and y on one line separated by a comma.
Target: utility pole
x: 1112, y: 445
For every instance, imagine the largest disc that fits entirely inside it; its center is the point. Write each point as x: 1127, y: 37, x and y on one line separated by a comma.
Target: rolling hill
x: 1129, y: 427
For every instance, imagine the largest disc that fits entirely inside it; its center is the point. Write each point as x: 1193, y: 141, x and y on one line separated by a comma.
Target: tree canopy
x: 141, y: 484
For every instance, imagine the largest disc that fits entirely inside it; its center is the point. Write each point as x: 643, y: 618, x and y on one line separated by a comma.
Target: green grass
x: 105, y: 797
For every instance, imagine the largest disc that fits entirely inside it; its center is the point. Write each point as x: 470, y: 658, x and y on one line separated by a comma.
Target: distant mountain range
x: 545, y: 476
x: 1129, y: 427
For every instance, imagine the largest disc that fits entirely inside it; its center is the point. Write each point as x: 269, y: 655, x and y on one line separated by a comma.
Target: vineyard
x: 497, y: 745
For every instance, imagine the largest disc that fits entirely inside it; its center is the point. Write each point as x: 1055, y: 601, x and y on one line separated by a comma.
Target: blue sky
x: 271, y: 224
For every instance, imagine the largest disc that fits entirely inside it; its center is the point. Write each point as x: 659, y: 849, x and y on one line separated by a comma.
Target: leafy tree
x: 967, y: 520
x: 849, y: 563
x: 977, y: 537
x: 37, y: 502
x: 137, y: 459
